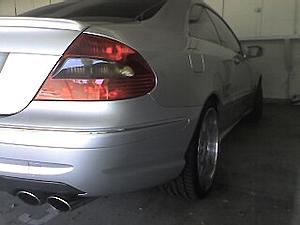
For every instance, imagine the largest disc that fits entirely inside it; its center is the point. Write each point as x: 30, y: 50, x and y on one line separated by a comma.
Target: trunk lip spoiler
x: 43, y: 23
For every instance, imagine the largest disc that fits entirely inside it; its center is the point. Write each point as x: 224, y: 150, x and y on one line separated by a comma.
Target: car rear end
x: 77, y: 114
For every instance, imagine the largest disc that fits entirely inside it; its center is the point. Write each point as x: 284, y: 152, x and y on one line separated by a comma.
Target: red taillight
x: 97, y: 69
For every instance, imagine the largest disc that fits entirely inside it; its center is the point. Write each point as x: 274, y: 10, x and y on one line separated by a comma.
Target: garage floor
x: 257, y: 184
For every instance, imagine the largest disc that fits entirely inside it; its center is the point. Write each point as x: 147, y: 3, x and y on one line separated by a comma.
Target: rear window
x: 96, y: 9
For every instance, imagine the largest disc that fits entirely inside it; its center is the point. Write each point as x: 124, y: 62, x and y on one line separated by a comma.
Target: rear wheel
x: 198, y: 175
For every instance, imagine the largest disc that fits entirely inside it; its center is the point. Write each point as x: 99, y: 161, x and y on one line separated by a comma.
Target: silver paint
x: 3, y: 57
x: 123, y: 145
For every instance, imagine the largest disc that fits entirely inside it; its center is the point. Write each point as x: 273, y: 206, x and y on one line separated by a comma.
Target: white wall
x: 278, y: 17
x: 15, y: 7
x: 247, y: 11
x: 272, y: 67
x: 217, y: 5
x: 7, y: 8
x: 260, y: 18
x: 274, y: 25
x: 279, y: 66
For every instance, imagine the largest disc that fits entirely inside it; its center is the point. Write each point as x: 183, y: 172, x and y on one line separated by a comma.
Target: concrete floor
x: 257, y: 183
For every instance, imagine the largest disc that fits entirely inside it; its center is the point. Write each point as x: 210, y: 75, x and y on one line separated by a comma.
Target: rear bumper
x: 13, y: 185
x: 97, y: 162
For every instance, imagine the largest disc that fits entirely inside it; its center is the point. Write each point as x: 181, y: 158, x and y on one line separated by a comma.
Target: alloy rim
x: 208, y: 148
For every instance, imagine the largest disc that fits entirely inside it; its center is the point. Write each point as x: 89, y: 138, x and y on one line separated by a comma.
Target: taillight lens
x: 98, y: 69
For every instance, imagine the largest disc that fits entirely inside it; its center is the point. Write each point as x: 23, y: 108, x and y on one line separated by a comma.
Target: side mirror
x: 254, y: 51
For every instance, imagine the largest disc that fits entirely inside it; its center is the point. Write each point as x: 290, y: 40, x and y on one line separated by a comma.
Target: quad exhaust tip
x: 59, y: 204
x: 29, y: 198
x: 62, y: 204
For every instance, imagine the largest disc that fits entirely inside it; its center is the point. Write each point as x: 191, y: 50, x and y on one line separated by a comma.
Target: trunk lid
x: 29, y: 49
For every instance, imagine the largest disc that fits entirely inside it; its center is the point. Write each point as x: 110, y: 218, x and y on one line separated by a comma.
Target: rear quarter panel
x: 167, y: 53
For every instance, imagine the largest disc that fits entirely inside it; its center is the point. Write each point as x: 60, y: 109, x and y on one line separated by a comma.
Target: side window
x: 227, y: 37
x: 201, y: 26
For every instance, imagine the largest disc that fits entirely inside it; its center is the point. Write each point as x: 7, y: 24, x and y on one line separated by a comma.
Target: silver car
x: 103, y: 97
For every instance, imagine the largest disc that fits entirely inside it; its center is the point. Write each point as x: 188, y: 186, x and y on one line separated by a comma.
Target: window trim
x: 227, y: 25
x: 188, y: 22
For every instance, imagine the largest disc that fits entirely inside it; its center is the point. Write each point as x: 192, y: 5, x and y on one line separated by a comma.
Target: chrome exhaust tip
x: 59, y: 203
x: 29, y: 198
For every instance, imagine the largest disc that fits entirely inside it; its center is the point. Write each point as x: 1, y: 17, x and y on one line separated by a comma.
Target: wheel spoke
x: 208, y: 148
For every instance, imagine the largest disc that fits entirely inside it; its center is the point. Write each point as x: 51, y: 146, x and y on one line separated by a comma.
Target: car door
x: 207, y: 59
x: 240, y: 74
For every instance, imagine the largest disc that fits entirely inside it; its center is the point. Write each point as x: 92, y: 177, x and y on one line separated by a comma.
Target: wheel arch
x: 260, y: 80
x: 214, y: 99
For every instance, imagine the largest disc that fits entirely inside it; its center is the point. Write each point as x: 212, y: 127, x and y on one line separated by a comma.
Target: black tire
x: 189, y: 184
x: 256, y: 114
